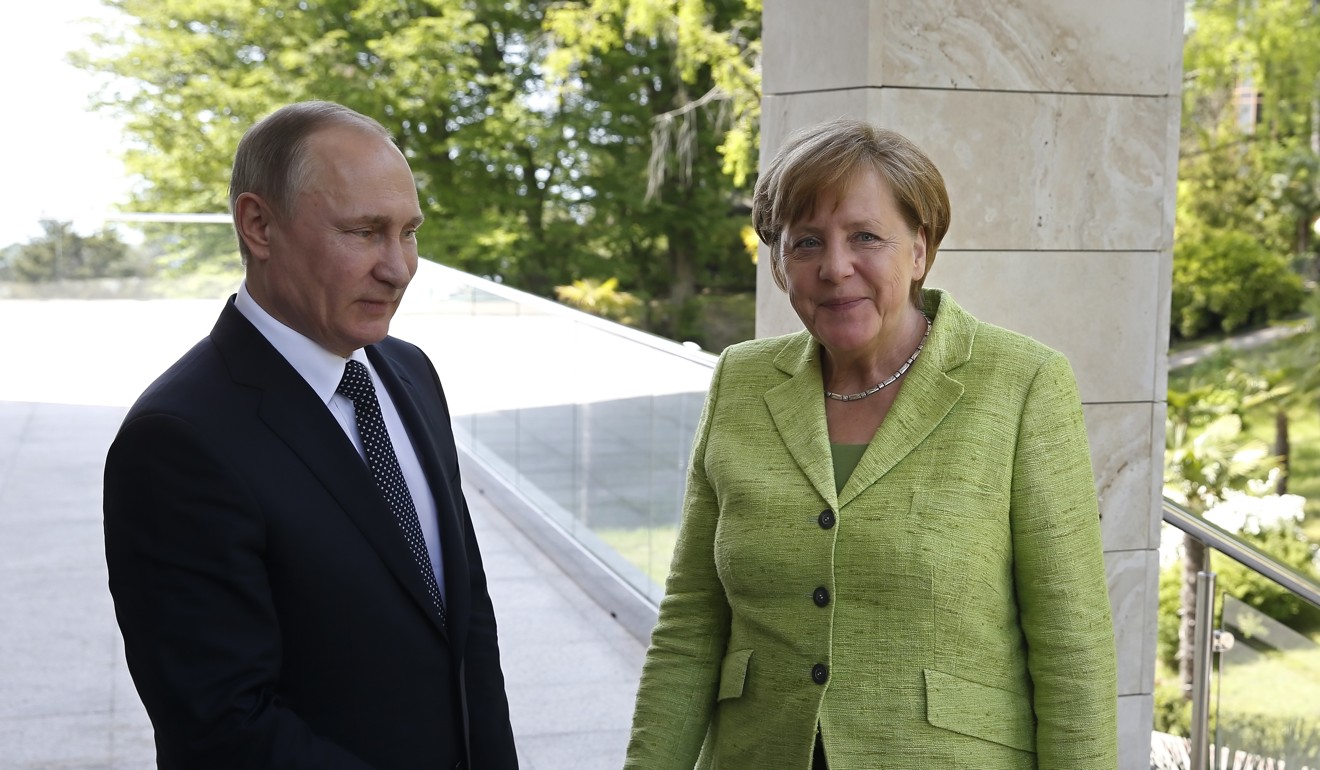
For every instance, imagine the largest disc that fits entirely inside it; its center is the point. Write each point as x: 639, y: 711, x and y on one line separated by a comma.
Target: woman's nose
x: 836, y: 263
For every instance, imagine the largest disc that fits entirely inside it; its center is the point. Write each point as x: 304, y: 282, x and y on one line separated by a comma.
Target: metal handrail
x: 1242, y: 552
x: 1204, y: 647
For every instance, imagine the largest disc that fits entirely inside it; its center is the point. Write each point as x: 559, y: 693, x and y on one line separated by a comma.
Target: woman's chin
x: 845, y: 341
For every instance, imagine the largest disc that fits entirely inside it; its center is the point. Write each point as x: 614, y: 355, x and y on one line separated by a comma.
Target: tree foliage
x: 530, y: 142
x: 1249, y: 187
x: 1225, y: 280
x: 61, y: 254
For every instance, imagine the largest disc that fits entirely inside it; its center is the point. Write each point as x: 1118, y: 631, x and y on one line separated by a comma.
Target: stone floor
x: 66, y: 700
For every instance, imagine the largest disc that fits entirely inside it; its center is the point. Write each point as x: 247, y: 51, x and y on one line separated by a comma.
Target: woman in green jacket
x: 890, y: 550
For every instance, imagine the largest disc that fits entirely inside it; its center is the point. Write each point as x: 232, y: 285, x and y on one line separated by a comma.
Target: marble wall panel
x: 1133, y: 578
x: 1024, y: 171
x: 819, y: 45
x: 1042, y: 171
x: 1127, y: 447
x: 1097, y: 308
x: 1136, y: 715
x: 1066, y: 46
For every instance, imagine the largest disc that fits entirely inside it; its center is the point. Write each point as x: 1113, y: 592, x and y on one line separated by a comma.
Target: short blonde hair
x: 823, y: 158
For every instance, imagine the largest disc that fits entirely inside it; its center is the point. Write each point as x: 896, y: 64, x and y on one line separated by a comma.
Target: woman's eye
x: 809, y: 242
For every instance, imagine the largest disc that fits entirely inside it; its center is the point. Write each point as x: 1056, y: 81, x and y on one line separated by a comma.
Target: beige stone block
x: 1133, y: 579
x: 1067, y: 46
x: 1136, y: 717
x: 1100, y: 309
x: 1042, y: 172
x: 1128, y: 47
x: 1127, y: 445
x: 1024, y: 171
x: 782, y: 115
x: 820, y: 45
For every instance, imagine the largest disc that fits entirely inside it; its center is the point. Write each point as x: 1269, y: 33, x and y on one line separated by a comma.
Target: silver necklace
x: 902, y: 370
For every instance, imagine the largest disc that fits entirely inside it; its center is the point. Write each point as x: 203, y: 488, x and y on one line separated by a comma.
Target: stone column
x: 1055, y: 124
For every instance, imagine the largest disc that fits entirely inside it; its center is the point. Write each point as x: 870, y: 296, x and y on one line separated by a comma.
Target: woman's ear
x: 919, y: 254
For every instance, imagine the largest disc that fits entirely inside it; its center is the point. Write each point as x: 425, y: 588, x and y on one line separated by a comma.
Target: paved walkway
x: 1246, y: 341
x: 66, y: 700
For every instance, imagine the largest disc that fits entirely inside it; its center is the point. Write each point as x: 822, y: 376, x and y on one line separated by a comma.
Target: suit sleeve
x: 184, y: 547
x: 1060, y: 579
x: 676, y: 696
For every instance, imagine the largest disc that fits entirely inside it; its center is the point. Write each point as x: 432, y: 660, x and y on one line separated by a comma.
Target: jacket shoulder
x: 766, y: 351
x: 1012, y: 346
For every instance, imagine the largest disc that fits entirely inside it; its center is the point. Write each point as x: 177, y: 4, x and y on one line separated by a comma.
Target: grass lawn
x: 649, y: 550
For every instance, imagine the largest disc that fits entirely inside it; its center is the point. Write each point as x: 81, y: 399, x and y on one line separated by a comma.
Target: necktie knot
x: 356, y: 381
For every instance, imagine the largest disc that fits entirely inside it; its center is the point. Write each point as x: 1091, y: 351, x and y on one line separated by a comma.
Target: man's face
x: 338, y: 264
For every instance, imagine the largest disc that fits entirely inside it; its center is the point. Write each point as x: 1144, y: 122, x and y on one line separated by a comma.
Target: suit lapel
x: 798, y: 410
x: 927, y: 397
x: 407, y: 400
x: 292, y: 411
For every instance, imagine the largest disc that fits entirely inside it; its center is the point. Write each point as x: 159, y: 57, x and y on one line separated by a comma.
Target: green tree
x: 534, y: 182
x: 1250, y: 150
x: 669, y: 92
x: 61, y: 254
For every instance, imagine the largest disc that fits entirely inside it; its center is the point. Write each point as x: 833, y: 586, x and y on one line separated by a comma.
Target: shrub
x: 1227, y: 280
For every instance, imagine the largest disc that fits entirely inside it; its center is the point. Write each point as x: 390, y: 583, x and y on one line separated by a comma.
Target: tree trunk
x: 1193, y: 562
x: 1281, y: 450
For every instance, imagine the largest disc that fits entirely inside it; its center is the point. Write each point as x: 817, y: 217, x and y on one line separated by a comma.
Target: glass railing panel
x: 590, y: 421
x: 1268, y: 699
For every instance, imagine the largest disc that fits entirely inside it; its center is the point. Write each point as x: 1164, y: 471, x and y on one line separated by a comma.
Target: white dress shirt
x: 323, y: 370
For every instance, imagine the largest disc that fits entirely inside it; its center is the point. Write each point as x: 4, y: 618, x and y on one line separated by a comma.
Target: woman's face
x: 850, y: 264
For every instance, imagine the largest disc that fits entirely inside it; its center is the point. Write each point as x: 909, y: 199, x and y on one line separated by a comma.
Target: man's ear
x: 253, y: 218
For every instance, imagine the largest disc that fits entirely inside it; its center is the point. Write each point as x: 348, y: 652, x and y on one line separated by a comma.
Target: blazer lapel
x: 293, y: 412
x: 927, y: 397
x: 798, y: 409
x: 407, y: 400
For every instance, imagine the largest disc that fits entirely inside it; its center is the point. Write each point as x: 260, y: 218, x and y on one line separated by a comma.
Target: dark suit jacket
x: 273, y: 616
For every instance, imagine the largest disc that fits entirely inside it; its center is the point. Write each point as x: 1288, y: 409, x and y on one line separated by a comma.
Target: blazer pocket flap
x: 733, y: 674
x: 981, y: 711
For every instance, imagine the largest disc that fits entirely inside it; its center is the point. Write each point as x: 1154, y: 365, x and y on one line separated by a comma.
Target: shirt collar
x: 319, y: 367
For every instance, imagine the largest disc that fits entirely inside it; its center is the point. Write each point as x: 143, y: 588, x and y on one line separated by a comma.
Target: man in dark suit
x: 291, y: 557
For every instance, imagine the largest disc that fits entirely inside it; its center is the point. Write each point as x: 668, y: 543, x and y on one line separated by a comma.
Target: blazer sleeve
x: 184, y: 543
x: 679, y: 678
x: 1060, y: 579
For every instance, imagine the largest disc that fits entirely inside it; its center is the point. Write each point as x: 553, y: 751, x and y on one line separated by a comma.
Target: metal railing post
x: 1202, y: 664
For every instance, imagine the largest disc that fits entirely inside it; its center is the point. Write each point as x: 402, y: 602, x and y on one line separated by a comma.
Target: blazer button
x: 826, y: 519
x: 821, y: 596
x: 820, y: 673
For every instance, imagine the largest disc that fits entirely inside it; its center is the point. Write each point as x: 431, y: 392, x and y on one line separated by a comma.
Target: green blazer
x: 946, y: 609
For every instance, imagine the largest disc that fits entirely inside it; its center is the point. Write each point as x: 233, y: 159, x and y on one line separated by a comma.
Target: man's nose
x: 395, y: 265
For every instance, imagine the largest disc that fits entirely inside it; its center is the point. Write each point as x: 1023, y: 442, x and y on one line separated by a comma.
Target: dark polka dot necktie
x: 357, y: 386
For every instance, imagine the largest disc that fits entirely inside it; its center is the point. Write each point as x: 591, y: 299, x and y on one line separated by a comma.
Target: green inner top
x: 846, y: 457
